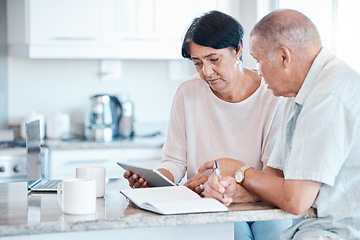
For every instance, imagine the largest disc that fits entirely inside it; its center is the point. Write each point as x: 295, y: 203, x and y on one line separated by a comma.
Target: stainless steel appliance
x: 103, y: 118
x: 126, y: 123
x: 12, y: 165
x: 13, y: 162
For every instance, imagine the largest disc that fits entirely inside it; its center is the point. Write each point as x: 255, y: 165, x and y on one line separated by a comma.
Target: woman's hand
x: 196, y: 183
x: 138, y: 182
x: 134, y: 180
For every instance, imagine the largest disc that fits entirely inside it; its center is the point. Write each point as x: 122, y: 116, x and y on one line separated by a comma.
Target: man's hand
x: 229, y: 188
x: 222, y: 190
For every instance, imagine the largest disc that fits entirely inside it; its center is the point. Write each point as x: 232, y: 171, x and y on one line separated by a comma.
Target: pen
x: 217, y: 170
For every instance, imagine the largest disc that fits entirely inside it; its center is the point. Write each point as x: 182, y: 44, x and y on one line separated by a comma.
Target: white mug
x: 77, y: 196
x: 94, y: 172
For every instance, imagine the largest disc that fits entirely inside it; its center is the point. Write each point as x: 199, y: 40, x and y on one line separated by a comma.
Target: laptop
x: 35, y: 183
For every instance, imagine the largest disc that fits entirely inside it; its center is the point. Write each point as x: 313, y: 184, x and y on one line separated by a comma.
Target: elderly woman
x: 225, y: 111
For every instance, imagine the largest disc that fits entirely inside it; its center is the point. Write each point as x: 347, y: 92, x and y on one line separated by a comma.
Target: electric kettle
x: 103, y: 118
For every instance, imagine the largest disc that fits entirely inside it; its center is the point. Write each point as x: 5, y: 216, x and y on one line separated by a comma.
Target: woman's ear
x: 238, y: 53
x: 285, y: 56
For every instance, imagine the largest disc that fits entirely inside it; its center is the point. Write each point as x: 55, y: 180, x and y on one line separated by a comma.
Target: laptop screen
x: 33, y: 147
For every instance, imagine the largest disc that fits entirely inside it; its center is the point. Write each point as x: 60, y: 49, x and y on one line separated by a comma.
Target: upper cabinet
x: 53, y: 29
x: 102, y: 29
x: 63, y: 21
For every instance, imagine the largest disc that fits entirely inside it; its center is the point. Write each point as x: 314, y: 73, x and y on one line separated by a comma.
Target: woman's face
x: 216, y: 66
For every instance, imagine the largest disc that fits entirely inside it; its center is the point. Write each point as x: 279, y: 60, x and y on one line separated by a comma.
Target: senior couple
x: 287, y: 134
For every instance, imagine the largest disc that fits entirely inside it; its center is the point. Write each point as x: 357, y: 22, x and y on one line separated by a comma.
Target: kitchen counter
x: 60, y: 158
x: 137, y: 142
x: 147, y: 135
x: 39, y: 215
x: 63, y: 156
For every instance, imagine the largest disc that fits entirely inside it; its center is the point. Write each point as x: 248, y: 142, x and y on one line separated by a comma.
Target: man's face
x: 270, y: 67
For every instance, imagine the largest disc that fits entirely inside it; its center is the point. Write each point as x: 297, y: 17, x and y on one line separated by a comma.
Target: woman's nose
x: 207, y: 70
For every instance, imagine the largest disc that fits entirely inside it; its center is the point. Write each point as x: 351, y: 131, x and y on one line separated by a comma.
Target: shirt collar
x: 313, y: 73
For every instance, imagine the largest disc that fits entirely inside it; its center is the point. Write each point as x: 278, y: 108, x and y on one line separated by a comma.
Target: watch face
x: 239, y: 176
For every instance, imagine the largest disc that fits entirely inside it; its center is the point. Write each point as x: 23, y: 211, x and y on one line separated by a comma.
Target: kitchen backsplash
x: 48, y: 86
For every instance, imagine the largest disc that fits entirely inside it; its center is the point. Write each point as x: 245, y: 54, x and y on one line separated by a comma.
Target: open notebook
x: 172, y: 200
x: 34, y: 161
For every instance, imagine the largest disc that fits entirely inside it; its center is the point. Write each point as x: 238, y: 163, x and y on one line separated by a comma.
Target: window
x: 337, y: 22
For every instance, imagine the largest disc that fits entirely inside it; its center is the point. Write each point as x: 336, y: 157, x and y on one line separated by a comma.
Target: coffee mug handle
x: 59, y: 193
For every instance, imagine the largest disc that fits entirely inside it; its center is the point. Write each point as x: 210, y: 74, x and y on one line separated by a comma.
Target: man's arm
x: 293, y: 196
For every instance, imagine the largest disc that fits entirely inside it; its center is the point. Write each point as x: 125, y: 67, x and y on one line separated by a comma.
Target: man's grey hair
x: 288, y: 28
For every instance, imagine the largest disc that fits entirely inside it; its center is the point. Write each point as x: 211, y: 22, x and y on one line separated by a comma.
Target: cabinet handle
x: 74, y: 38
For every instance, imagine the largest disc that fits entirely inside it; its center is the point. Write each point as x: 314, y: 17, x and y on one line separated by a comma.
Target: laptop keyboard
x: 51, y: 184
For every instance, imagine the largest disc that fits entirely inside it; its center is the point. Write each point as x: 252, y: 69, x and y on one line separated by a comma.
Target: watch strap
x: 242, y: 171
x: 244, y: 168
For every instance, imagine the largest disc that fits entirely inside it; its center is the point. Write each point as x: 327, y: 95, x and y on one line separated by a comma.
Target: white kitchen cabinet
x: 53, y: 29
x: 63, y: 163
x: 150, y: 28
x: 64, y: 21
x: 102, y: 29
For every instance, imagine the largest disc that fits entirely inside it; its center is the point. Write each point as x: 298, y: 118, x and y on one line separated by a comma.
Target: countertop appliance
x: 126, y: 122
x: 13, y: 161
x: 103, y: 118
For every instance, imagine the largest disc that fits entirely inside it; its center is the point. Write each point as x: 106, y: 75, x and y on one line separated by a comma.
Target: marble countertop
x: 23, y: 213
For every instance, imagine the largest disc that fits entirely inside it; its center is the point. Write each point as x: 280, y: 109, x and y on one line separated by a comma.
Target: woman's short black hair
x: 213, y: 29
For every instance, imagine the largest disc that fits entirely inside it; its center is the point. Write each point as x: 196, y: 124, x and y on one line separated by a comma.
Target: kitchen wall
x: 3, y: 68
x: 47, y: 86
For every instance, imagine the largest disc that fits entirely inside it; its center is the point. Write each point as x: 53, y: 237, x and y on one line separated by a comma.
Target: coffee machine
x: 102, y: 120
x: 126, y: 123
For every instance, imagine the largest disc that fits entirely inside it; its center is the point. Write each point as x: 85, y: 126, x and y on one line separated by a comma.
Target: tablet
x: 153, y: 177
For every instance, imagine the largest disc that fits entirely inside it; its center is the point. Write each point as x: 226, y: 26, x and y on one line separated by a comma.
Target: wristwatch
x: 240, y: 174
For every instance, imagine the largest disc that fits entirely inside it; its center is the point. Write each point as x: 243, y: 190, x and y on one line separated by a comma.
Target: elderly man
x: 316, y: 159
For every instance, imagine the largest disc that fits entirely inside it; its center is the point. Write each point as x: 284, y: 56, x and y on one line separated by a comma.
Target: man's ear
x: 285, y: 56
